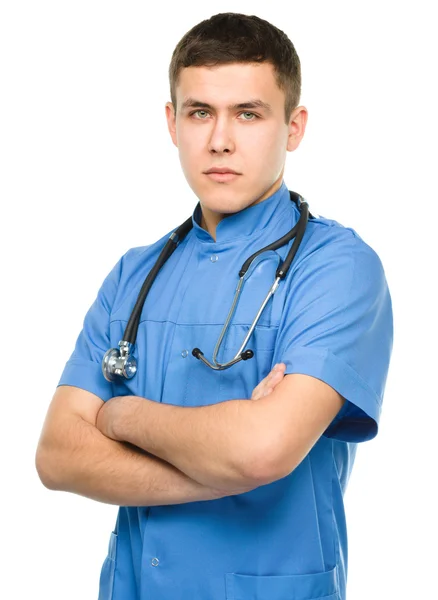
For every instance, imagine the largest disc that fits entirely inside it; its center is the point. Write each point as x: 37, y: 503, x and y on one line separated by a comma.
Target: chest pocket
x: 315, y: 586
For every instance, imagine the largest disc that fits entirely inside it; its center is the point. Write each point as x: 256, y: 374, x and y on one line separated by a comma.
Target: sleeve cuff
x: 358, y: 419
x: 86, y: 375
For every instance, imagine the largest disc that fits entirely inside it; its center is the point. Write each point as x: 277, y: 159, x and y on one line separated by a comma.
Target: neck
x: 210, y: 219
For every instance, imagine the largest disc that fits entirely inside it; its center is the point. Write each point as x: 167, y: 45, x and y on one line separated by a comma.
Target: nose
x: 221, y: 139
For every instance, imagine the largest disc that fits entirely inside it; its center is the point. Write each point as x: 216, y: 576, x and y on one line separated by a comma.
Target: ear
x: 171, y: 122
x: 297, y: 127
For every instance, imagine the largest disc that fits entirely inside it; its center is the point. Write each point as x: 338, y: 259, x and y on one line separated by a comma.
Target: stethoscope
x: 120, y: 362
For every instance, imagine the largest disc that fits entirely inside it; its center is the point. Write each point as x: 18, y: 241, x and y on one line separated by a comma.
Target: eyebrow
x: 193, y: 103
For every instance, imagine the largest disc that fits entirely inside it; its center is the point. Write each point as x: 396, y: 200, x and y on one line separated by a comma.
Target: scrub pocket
x: 106, y: 583
x: 314, y: 586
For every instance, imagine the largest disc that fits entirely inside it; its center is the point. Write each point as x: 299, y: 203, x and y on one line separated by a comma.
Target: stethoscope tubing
x: 173, y: 241
x: 281, y: 272
x: 122, y: 363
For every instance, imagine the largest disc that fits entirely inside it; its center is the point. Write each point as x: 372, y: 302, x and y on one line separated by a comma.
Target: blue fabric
x: 331, y: 319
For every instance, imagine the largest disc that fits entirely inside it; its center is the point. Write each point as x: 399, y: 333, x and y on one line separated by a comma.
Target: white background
x: 88, y: 170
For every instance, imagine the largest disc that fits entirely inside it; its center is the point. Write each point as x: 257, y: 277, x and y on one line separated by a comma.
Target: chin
x: 223, y: 197
x: 223, y: 205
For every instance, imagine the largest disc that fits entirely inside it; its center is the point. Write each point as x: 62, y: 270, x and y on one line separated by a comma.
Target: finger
x: 256, y: 394
x: 272, y: 379
x: 266, y: 386
x: 272, y: 384
x: 260, y: 388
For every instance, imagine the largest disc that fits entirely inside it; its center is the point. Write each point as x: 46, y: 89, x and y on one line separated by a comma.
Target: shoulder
x: 139, y: 259
x: 329, y: 244
x: 132, y: 270
x: 139, y: 255
x: 334, y: 270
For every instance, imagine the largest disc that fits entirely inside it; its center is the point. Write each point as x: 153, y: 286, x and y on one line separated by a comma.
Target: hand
x: 267, y: 385
x: 109, y: 414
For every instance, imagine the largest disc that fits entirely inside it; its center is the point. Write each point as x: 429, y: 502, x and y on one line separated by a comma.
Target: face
x: 232, y: 117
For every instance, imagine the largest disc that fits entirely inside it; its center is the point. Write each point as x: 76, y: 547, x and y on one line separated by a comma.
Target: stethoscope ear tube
x: 283, y: 268
x: 297, y: 231
x: 177, y: 236
x: 281, y: 272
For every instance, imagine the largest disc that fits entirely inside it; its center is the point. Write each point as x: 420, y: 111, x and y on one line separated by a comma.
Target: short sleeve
x: 337, y: 326
x: 83, y: 369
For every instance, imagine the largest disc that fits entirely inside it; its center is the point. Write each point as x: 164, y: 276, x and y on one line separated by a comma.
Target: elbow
x: 262, y: 474
x: 265, y: 472
x: 236, y: 475
x: 44, y: 470
x: 261, y: 465
x: 270, y: 460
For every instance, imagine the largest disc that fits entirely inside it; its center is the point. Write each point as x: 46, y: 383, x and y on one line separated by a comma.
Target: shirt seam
x: 317, y: 513
x: 167, y: 321
x: 333, y: 479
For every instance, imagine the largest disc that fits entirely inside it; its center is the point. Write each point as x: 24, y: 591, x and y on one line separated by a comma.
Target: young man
x: 230, y: 482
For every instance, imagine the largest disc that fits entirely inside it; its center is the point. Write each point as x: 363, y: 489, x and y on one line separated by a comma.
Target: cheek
x: 264, y: 147
x: 192, y: 156
x: 191, y: 140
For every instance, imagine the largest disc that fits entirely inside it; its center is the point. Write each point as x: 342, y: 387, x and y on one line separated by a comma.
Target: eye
x: 252, y: 116
x: 198, y: 113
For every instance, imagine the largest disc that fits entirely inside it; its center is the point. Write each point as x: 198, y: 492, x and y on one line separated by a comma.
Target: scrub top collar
x: 247, y: 221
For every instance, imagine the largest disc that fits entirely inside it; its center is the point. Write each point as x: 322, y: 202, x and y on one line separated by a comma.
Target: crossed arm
x: 204, y: 457
x: 233, y: 443
x: 73, y: 455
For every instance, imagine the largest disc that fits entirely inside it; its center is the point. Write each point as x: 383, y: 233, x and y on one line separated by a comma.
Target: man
x: 230, y: 483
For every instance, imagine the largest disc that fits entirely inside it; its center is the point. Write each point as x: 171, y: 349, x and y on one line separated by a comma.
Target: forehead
x: 229, y: 84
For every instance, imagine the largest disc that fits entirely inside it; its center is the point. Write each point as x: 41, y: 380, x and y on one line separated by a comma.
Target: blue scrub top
x: 331, y: 319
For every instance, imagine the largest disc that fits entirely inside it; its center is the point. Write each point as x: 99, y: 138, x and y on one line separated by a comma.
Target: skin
x: 251, y: 141
x: 116, y: 407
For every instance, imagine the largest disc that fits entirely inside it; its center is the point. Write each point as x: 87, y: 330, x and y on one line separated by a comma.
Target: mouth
x: 222, y: 174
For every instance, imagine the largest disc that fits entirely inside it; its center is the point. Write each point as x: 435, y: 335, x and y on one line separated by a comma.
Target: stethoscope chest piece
x: 118, y: 362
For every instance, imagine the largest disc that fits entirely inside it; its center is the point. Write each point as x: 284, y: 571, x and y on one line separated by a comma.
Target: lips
x: 222, y: 175
x: 221, y: 170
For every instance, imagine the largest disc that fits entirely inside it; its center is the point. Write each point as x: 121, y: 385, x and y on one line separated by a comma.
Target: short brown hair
x: 234, y: 37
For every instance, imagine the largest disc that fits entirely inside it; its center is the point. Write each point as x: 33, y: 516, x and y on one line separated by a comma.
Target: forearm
x: 88, y: 463
x: 222, y: 445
